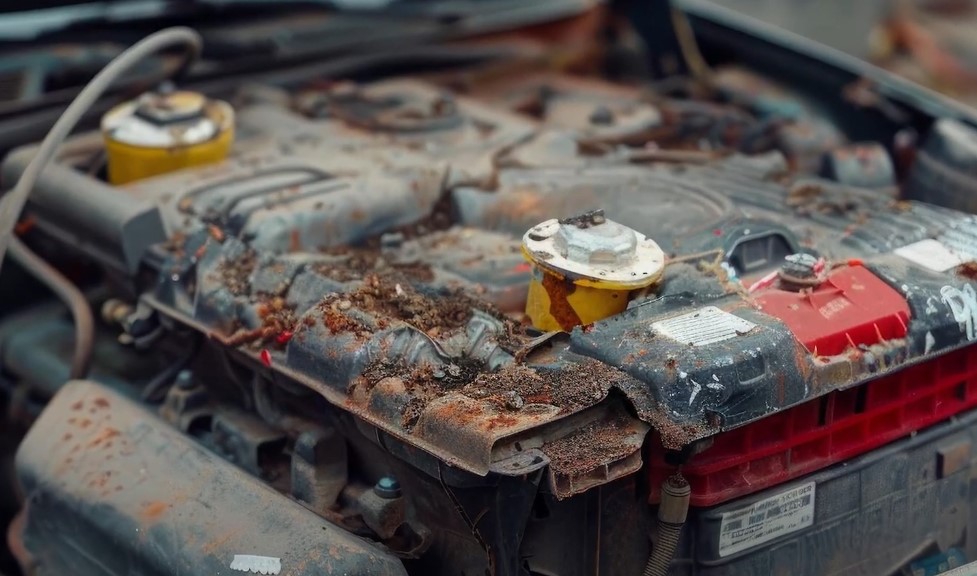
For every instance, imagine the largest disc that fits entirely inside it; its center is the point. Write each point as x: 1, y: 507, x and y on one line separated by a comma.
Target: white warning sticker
x: 931, y: 254
x: 704, y: 326
x: 766, y: 520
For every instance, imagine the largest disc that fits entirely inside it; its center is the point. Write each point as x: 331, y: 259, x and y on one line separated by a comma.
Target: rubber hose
x: 81, y: 311
x: 672, y: 512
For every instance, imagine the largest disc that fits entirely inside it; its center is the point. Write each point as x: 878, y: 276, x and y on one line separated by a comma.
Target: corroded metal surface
x: 99, y: 469
x: 363, y: 241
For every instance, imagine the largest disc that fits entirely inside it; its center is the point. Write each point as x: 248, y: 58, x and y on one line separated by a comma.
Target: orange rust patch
x: 153, y: 510
x: 104, y: 435
x: 101, y: 403
x: 561, y: 310
x: 502, y: 421
x: 77, y: 406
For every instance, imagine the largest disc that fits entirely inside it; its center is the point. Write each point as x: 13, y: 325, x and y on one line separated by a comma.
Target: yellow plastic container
x: 584, y: 270
x: 157, y: 134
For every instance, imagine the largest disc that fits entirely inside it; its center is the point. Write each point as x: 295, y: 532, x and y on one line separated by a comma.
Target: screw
x: 387, y: 487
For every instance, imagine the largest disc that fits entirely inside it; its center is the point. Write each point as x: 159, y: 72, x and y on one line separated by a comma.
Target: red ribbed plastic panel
x: 825, y: 431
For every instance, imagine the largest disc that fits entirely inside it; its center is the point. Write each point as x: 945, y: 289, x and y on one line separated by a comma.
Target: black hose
x: 81, y: 311
x: 672, y: 511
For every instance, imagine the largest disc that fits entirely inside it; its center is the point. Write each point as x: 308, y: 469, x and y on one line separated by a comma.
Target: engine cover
x: 363, y: 241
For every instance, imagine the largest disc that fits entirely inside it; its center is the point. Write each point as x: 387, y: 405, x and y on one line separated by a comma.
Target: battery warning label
x: 766, y: 520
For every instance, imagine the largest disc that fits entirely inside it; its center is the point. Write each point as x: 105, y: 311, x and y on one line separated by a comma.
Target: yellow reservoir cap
x: 585, y: 268
x: 160, y: 133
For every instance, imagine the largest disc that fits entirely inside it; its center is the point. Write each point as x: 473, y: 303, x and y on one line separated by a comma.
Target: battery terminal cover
x: 584, y: 269
x: 159, y: 132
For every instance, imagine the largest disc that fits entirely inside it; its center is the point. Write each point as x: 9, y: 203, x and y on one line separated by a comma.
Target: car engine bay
x: 348, y: 347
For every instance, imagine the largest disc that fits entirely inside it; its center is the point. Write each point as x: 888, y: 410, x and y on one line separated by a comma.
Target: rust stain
x: 103, y: 437
x: 216, y: 233
x: 77, y: 406
x: 101, y: 403
x: 152, y: 511
x: 561, y: 310
x: 967, y: 270
x: 502, y: 421
x: 215, y: 544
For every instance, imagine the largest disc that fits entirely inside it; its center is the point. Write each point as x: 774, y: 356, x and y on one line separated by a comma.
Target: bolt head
x: 604, y: 244
x: 184, y: 380
x: 387, y: 487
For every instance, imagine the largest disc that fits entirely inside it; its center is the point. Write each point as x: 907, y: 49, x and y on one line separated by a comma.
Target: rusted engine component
x: 402, y: 330
x: 358, y: 256
x: 101, y: 471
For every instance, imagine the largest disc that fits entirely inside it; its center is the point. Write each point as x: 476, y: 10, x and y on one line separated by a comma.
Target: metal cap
x: 591, y: 247
x: 170, y: 108
x: 166, y: 120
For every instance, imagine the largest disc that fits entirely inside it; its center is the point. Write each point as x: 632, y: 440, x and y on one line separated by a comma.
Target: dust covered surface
x: 391, y: 297
x: 517, y: 385
x: 590, y: 447
x: 510, y: 389
x: 235, y: 273
x: 357, y: 263
x: 676, y: 436
x: 424, y: 382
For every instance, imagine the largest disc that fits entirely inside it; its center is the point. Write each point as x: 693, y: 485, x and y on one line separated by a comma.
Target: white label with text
x: 766, y: 520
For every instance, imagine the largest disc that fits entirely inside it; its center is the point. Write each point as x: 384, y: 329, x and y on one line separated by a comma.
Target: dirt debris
x: 235, y: 274
x: 278, y: 323
x: 516, y: 385
x: 590, y: 447
x: 424, y: 382
x: 674, y: 436
x: 391, y: 297
x: 361, y: 262
x: 808, y: 198
x: 509, y: 389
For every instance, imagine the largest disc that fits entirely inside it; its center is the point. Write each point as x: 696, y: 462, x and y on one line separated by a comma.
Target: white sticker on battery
x: 766, y: 520
x: 930, y: 254
x: 704, y: 326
